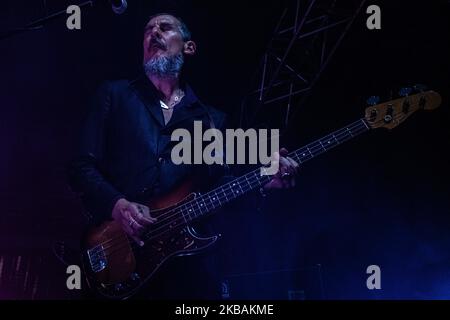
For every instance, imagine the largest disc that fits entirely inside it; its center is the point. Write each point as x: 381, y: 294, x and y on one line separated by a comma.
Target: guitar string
x: 355, y: 131
x: 251, y: 183
x: 222, y: 195
x: 222, y: 191
x: 294, y: 154
x: 179, y: 221
x: 359, y: 122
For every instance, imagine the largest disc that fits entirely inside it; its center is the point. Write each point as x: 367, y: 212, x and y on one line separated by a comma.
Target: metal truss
x: 305, y: 39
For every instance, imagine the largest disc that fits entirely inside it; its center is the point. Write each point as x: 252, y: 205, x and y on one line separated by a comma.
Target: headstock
x: 391, y: 113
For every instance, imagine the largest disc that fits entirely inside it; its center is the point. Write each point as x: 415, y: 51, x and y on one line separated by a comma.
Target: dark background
x: 381, y: 199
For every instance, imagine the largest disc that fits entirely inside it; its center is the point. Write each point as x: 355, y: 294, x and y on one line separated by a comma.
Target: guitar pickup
x: 373, y: 115
x: 97, y: 259
x: 422, y: 102
x: 405, y: 107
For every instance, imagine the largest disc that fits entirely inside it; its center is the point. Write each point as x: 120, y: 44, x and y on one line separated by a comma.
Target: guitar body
x: 116, y: 267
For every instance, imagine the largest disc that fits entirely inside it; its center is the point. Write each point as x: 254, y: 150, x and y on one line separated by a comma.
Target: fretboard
x: 217, y: 197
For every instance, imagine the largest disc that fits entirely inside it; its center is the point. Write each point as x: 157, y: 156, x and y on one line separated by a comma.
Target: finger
x: 146, y: 218
x: 138, y: 241
x: 283, y: 152
x: 284, y: 161
x: 294, y: 164
x: 138, y: 228
x: 276, y: 162
x: 293, y: 167
x: 138, y: 214
x: 130, y: 231
x: 132, y: 234
x: 286, y: 167
x: 290, y: 168
x: 146, y: 212
x: 275, y: 183
x: 125, y: 213
x: 131, y: 222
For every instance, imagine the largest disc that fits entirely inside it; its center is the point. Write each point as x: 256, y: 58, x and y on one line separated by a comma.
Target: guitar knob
x: 373, y: 100
x: 404, y: 92
x: 135, y: 277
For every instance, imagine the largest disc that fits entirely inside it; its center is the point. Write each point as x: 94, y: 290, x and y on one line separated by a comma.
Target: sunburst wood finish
x: 128, y: 266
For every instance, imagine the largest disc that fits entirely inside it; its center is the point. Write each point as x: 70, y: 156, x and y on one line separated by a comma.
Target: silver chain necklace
x: 176, y: 100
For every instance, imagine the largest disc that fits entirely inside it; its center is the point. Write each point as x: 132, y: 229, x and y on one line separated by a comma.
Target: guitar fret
x: 257, y: 176
x: 191, y: 210
x: 207, y: 201
x: 184, y: 216
x: 330, y: 142
x: 250, y: 181
x: 322, y: 145
x: 365, y: 124
x: 203, y: 203
x: 349, y: 131
x: 296, y: 157
x: 232, y: 190
x: 335, y: 138
x: 225, y: 194
x: 235, y: 191
x: 199, y: 208
x: 303, y: 154
x: 239, y: 185
x: 218, y: 198
x: 211, y: 201
x: 186, y: 213
x: 249, y: 186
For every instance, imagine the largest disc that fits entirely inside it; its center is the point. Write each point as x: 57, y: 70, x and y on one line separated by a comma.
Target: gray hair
x: 165, y: 67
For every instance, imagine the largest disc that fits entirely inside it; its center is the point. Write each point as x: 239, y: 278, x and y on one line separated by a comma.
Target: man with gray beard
x: 124, y: 153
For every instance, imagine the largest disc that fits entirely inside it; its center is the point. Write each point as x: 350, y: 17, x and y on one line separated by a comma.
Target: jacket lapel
x: 190, y: 106
x: 147, y: 93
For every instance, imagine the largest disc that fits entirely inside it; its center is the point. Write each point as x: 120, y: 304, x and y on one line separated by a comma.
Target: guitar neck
x: 217, y: 197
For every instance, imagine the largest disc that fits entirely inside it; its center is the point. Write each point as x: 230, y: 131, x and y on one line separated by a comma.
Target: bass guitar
x: 116, y: 267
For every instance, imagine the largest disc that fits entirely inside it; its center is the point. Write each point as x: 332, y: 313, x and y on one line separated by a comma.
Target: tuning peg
x: 404, y: 92
x: 420, y: 87
x: 373, y: 100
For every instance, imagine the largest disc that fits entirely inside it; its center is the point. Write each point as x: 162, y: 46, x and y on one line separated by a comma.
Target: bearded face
x: 164, y: 66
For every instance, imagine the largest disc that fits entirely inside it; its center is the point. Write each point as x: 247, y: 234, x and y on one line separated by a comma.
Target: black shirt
x: 125, y: 146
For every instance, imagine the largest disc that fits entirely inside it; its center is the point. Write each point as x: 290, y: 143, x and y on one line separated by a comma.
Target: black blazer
x: 124, y: 150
